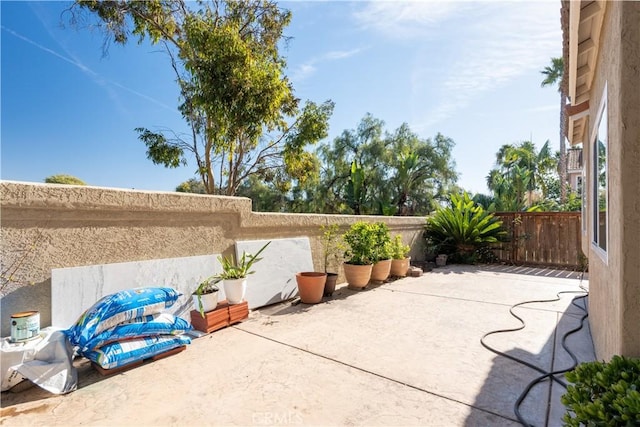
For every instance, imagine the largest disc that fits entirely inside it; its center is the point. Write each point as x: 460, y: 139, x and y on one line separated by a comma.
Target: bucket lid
x: 23, y: 314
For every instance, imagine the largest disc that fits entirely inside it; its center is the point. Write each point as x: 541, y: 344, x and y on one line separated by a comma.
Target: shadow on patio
x: 404, y: 353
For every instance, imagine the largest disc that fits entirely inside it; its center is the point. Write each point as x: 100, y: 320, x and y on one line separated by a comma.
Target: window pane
x: 600, y: 182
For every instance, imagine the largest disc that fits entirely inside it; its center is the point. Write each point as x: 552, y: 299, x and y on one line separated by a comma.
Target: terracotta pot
x: 380, y: 270
x: 357, y: 276
x: 209, y: 301
x: 400, y: 267
x: 441, y: 260
x: 234, y: 289
x: 330, y: 284
x: 311, y: 286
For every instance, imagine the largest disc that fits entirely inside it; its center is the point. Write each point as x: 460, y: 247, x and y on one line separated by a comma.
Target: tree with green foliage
x: 369, y: 171
x: 235, y: 97
x: 521, y: 175
x: 265, y: 197
x: 355, y: 190
x: 64, y: 179
x: 191, y: 185
x: 554, y: 74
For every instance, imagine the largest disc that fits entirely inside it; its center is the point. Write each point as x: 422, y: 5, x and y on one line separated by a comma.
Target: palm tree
x: 554, y: 73
x: 520, y: 171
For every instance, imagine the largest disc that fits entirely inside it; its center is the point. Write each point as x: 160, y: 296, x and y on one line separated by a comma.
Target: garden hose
x: 544, y: 374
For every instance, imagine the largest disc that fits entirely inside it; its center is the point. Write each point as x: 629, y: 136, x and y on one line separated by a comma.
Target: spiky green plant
x: 242, y: 268
x: 462, y: 228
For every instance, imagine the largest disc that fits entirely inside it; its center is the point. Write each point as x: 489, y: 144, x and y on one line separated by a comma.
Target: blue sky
x: 469, y: 70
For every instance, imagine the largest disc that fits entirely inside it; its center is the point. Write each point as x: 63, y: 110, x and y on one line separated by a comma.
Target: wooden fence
x: 542, y: 239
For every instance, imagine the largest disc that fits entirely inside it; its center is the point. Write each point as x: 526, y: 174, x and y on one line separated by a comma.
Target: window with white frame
x: 583, y: 196
x: 600, y: 177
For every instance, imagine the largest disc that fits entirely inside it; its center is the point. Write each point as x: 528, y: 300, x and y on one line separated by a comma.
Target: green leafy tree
x: 265, y: 196
x: 369, y: 171
x: 64, y: 179
x: 350, y: 164
x: 521, y: 176
x: 421, y: 168
x: 355, y: 190
x: 554, y: 74
x: 191, y: 185
x: 488, y: 202
x: 235, y: 97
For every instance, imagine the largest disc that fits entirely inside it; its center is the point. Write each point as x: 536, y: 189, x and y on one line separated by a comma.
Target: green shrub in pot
x: 398, y: 249
x: 360, y: 239
x: 382, y: 245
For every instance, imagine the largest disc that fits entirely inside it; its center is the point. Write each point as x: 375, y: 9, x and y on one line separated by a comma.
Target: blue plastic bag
x: 117, y: 308
x: 155, y: 324
x: 121, y: 353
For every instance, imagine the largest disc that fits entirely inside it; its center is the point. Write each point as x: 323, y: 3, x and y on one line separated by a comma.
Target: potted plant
x: 205, y: 297
x: 381, y: 252
x: 331, y: 255
x: 311, y: 286
x: 400, y: 257
x: 234, y: 275
x: 360, y: 240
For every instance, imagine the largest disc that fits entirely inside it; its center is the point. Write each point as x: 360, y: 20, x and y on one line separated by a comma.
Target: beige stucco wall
x: 52, y: 226
x: 614, y: 279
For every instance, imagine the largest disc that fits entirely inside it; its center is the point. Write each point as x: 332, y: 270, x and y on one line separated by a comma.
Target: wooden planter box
x: 224, y: 315
x: 238, y: 312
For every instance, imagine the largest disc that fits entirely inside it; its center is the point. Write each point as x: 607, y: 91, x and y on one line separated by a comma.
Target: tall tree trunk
x: 562, y: 167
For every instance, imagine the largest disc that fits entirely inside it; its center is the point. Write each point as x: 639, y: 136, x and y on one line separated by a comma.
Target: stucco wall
x: 630, y: 179
x: 52, y: 226
x: 614, y: 279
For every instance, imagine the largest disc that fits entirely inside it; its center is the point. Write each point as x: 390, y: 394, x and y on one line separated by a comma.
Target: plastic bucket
x: 25, y: 325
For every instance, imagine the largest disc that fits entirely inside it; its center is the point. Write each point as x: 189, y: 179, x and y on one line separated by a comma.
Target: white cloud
x: 490, y: 44
x: 340, y: 54
x: 407, y: 19
x: 307, y: 69
x: 303, y: 71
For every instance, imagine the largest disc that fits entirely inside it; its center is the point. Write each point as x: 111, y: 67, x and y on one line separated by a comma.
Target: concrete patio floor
x: 404, y: 353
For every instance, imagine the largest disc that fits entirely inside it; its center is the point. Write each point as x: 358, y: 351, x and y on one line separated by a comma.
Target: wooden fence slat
x: 542, y: 238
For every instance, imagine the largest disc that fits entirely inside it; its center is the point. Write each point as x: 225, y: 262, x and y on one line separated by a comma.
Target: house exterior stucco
x: 614, y: 274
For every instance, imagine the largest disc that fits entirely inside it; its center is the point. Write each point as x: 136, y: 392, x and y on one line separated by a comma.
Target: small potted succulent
x: 360, y: 241
x: 234, y: 275
x: 400, y: 257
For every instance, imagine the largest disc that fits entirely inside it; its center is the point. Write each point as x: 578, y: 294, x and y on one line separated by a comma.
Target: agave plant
x: 463, y: 228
